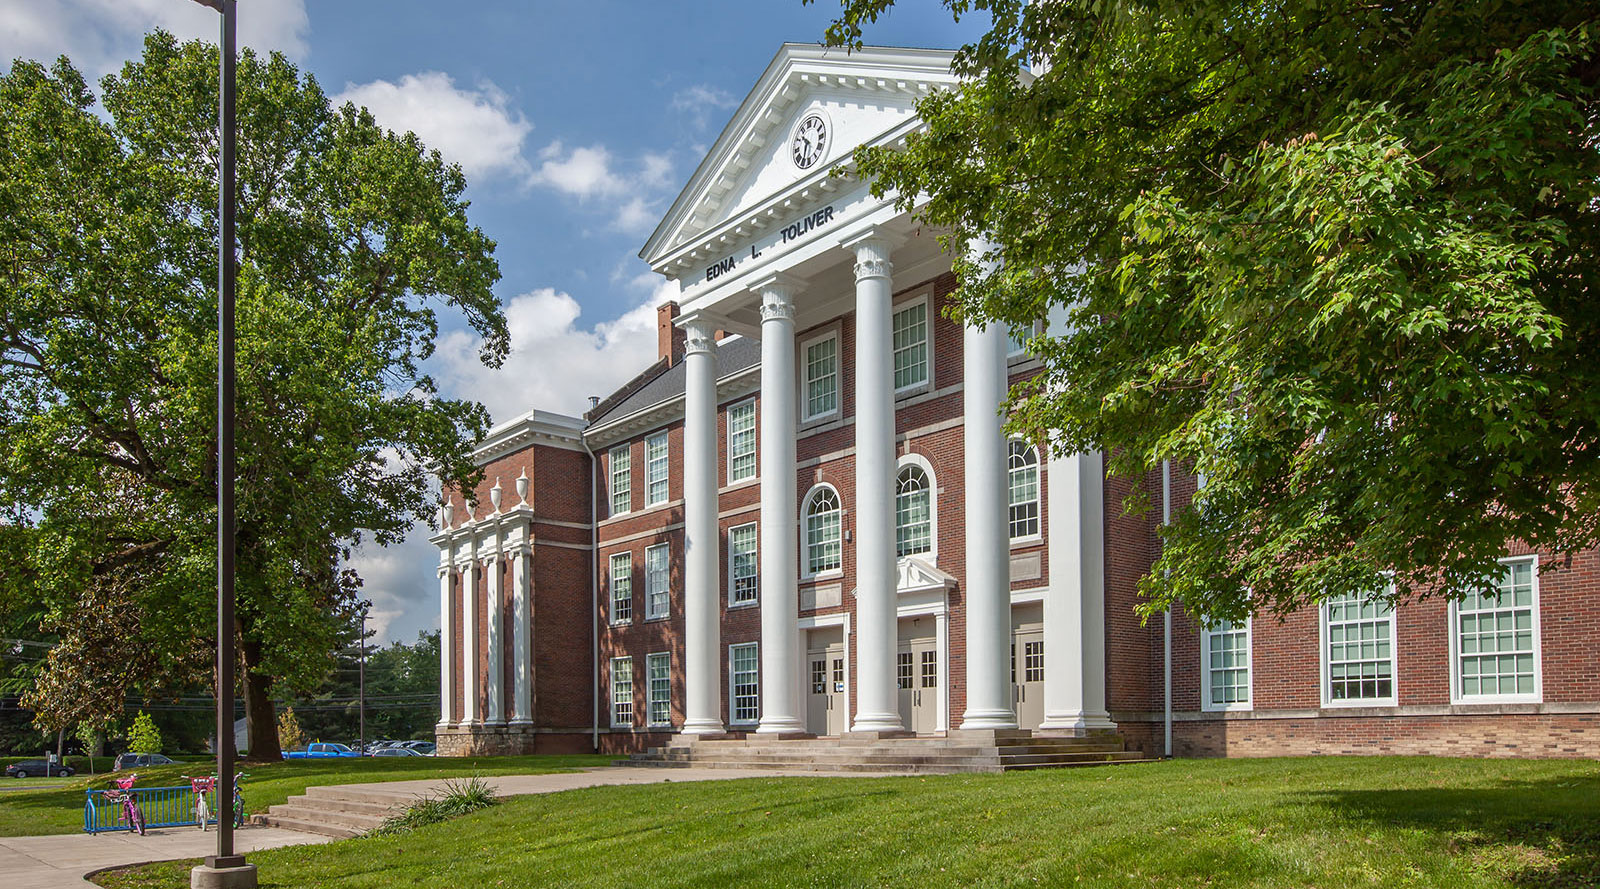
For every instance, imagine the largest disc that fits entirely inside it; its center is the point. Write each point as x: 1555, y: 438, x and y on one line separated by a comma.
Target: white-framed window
x: 1022, y: 478
x: 823, y: 549
x: 1494, y: 639
x: 744, y: 682
x: 657, y: 581
x: 913, y: 510
x: 1225, y: 666
x: 821, y: 357
x: 658, y: 672
x: 910, y: 337
x: 621, y: 692
x: 621, y: 588
x: 741, y: 441
x: 1017, y: 340
x: 621, y: 480
x: 743, y: 582
x: 1357, y: 652
x: 655, y: 469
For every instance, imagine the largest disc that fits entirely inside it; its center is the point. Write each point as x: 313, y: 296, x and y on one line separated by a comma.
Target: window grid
x: 1022, y: 475
x: 1496, y: 643
x: 1360, y: 649
x: 930, y: 669
x: 659, y: 669
x: 621, y: 588
x: 743, y: 580
x: 823, y: 549
x: 655, y: 469
x: 1228, y: 665
x: 621, y: 480
x: 622, y: 691
x: 657, y: 580
x: 1033, y: 661
x: 905, y: 671
x: 822, y: 377
x: 838, y: 671
x: 913, y: 531
x: 910, y: 332
x: 746, y: 683
x: 741, y: 442
x: 819, y: 677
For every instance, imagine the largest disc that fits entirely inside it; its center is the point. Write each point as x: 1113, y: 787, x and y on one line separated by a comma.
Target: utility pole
x: 361, y: 687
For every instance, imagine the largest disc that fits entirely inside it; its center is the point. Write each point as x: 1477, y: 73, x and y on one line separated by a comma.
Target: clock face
x: 810, y: 141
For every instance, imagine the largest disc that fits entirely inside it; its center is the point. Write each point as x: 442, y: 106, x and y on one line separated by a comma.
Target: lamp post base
x: 223, y: 873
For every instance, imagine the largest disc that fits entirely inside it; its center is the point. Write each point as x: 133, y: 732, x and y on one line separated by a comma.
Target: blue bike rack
x: 162, y: 807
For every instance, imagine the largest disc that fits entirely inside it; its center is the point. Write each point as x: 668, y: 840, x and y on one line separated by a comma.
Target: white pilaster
x: 988, y: 582
x: 1074, y: 605
x: 446, y: 643
x: 470, y: 649
x: 780, y: 596
x: 702, y: 638
x: 494, y: 611
x: 522, y: 611
x: 877, y: 707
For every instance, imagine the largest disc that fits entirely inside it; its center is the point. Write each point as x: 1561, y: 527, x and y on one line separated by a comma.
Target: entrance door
x: 825, y: 707
x: 1027, y: 674
x: 917, y: 678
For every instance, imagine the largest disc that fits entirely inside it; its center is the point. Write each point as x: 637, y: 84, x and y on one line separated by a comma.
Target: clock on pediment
x: 810, y: 141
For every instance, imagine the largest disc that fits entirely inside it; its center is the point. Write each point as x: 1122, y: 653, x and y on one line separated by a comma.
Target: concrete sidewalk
x: 60, y: 861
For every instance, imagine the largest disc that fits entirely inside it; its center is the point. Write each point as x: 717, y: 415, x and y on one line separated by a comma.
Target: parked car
x: 35, y: 767
x: 396, y: 751
x: 374, y: 746
x: 141, y: 761
x: 321, y: 750
x: 426, y: 748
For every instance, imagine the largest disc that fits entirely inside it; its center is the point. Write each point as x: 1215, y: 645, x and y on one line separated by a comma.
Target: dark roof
x: 660, y: 383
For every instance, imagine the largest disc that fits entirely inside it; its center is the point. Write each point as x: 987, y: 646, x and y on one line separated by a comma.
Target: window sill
x: 1226, y: 708
x: 750, y: 604
x: 823, y: 576
x: 1467, y: 701
x: 1349, y: 703
x: 912, y: 391
x: 622, y: 623
x: 1025, y: 542
x: 657, y: 619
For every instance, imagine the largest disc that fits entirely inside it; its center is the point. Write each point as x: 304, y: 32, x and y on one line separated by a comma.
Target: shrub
x: 460, y: 797
x: 144, y: 737
x: 290, y: 735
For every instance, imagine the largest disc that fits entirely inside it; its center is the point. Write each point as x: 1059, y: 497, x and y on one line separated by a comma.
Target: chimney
x: 670, y: 339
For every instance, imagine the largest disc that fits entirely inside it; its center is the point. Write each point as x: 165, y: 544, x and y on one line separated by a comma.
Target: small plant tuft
x: 460, y: 797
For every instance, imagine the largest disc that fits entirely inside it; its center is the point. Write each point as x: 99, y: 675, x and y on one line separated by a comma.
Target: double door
x: 1027, y: 674
x: 917, y: 679
x: 825, y: 697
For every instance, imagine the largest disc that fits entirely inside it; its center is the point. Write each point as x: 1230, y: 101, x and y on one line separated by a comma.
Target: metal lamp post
x: 226, y: 868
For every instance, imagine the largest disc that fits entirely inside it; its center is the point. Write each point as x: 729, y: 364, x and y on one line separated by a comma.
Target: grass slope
x: 1325, y: 822
x: 32, y: 812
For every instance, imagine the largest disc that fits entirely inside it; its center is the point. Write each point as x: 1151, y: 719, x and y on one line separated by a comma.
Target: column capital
x: 700, y: 336
x: 872, y: 248
x: 780, y: 286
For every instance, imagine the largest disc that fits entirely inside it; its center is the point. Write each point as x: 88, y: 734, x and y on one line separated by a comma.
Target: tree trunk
x: 261, y: 717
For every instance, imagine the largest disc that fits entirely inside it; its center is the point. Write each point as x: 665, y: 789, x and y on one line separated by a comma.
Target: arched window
x: 1022, y: 475
x: 913, y: 511
x: 822, y: 514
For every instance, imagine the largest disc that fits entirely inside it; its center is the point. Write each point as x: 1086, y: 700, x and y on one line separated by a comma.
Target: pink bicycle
x: 131, y: 813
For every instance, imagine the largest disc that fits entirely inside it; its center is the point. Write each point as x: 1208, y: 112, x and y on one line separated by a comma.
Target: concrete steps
x: 953, y: 752
x: 337, y: 811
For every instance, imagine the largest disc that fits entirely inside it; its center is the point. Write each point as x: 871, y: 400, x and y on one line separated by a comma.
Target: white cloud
x: 636, y: 217
x: 476, y: 128
x: 700, y: 102
x: 555, y: 363
x: 629, y: 193
x: 582, y: 172
x: 99, y: 35
x: 402, y: 584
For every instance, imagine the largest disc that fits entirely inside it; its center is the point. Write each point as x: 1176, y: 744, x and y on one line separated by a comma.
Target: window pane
x: 621, y: 480
x: 746, y: 689
x: 621, y: 588
x: 658, y: 580
x: 1228, y: 662
x: 822, y: 377
x: 742, y: 441
x: 913, y: 512
x: 742, y: 570
x: 1495, y: 641
x: 655, y: 469
x: 622, y: 691
x: 1360, y: 628
x: 823, y: 549
x: 911, y: 346
x: 660, y: 667
x: 1023, y: 478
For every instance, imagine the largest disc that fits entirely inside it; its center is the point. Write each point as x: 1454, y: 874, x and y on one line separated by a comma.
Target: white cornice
x: 734, y: 385
x: 796, y: 71
x: 534, y: 427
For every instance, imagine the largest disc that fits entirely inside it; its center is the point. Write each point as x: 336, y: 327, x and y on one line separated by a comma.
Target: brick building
x: 805, y: 518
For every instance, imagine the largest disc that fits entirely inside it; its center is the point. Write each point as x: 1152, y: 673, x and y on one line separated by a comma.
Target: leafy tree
x: 290, y: 737
x: 144, y: 737
x: 402, y: 695
x: 351, y: 240
x: 1338, y: 257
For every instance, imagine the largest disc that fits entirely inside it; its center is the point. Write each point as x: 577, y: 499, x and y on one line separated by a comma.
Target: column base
x: 877, y: 722
x: 229, y: 875
x: 520, y: 722
x: 1078, y: 721
x: 999, y: 720
x: 703, y: 727
x: 786, y: 725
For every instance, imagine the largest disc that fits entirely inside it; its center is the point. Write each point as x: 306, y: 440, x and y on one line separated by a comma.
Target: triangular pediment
x: 860, y: 97
x: 915, y: 575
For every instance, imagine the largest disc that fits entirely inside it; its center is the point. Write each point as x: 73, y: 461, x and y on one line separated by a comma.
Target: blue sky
x: 576, y: 123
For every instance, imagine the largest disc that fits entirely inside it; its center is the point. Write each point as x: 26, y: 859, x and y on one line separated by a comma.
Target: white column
x: 446, y: 677
x: 522, y: 612
x: 988, y: 582
x: 1074, y: 605
x: 702, y: 637
x: 877, y: 703
x: 780, y: 595
x: 469, y: 633
x: 494, y: 599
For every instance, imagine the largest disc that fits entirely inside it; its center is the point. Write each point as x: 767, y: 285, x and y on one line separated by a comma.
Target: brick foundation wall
x: 1533, y: 735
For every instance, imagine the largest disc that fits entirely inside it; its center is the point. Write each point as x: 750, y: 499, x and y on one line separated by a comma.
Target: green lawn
x: 29, y: 812
x: 1324, y: 822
